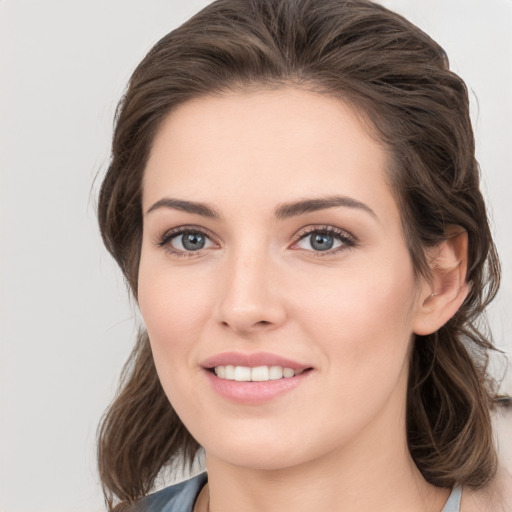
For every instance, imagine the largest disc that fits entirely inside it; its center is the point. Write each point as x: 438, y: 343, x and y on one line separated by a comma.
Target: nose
x: 250, y: 298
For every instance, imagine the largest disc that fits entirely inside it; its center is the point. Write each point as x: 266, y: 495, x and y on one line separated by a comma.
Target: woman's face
x: 272, y: 241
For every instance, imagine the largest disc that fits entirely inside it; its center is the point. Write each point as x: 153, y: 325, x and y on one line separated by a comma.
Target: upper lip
x: 251, y: 360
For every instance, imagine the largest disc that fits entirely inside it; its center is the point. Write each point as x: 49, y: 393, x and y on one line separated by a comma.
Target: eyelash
x: 175, y: 232
x: 347, y: 240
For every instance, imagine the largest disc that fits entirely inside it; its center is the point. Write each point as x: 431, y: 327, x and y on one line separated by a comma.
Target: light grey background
x: 66, y: 324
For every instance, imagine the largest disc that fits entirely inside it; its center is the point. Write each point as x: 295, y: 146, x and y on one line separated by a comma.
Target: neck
x: 374, y: 472
x: 309, y: 488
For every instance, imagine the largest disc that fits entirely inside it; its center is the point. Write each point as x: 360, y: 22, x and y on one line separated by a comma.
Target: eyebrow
x: 283, y: 211
x: 296, y: 208
x: 186, y: 206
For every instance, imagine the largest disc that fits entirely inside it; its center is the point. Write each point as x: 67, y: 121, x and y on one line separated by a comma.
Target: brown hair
x: 398, y: 78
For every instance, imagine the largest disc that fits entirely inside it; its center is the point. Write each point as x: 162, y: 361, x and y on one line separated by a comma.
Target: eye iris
x: 322, y: 242
x: 193, y: 241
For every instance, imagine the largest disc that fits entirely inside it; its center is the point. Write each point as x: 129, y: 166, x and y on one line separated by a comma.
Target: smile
x: 254, y: 378
x: 254, y: 374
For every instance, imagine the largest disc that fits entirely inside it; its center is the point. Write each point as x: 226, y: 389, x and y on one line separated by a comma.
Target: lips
x: 253, y: 378
x: 252, y: 361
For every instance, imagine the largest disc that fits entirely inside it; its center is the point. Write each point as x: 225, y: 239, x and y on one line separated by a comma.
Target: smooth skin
x: 256, y: 281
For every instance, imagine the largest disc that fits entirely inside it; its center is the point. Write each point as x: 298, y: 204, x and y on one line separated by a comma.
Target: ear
x: 445, y: 291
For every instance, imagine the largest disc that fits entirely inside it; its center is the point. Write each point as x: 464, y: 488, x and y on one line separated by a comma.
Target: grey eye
x: 191, y: 241
x: 321, y: 242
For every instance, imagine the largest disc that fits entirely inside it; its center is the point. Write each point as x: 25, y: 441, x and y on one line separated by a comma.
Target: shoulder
x: 176, y: 498
x: 495, y: 497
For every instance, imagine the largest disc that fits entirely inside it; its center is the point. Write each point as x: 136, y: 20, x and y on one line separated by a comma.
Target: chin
x: 273, y: 452
x: 258, y: 458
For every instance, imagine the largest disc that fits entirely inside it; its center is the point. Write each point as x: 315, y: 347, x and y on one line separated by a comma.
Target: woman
x: 293, y: 199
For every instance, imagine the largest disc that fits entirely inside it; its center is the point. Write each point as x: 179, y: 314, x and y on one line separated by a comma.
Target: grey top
x: 176, y: 498
x: 182, y: 497
x: 453, y: 503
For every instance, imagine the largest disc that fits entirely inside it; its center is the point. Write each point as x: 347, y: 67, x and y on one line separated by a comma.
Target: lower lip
x: 254, y: 392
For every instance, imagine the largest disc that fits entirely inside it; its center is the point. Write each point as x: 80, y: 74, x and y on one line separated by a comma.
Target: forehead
x: 256, y: 146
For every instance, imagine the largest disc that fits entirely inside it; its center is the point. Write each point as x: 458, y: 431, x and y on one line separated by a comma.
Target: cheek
x: 364, y: 336
x: 174, y: 306
x: 362, y: 320
x: 170, y: 309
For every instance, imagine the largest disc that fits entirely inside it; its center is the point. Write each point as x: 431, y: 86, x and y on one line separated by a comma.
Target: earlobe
x: 447, y: 288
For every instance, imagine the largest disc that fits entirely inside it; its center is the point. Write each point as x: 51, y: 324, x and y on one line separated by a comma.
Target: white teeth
x: 242, y: 373
x: 276, y: 372
x: 260, y: 373
x: 256, y: 374
x: 288, y: 372
x: 230, y: 372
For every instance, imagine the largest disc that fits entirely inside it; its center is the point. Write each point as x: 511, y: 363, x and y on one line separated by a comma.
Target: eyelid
x: 164, y: 239
x: 348, y: 240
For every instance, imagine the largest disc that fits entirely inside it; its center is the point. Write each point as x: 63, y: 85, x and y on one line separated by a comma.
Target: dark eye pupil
x: 322, y: 242
x: 193, y: 241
